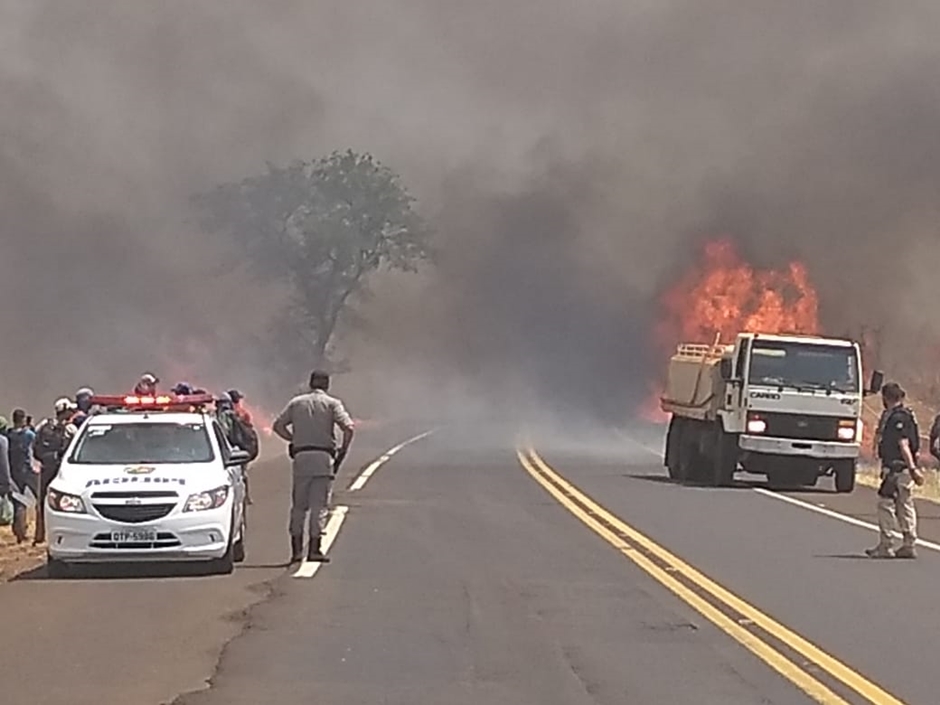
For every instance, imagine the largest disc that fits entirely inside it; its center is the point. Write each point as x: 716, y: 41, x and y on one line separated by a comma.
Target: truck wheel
x: 724, y: 459
x: 845, y: 475
x: 673, y: 448
x: 690, y: 458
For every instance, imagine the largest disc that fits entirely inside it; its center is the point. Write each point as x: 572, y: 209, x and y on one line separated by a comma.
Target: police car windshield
x: 157, y: 443
x: 804, y: 366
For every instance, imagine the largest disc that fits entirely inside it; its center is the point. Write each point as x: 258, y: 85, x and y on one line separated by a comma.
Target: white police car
x: 149, y: 479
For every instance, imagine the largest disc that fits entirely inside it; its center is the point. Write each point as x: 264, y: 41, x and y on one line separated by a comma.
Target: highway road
x: 548, y: 568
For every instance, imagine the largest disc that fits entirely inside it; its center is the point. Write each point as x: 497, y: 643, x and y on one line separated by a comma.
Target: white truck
x: 785, y: 406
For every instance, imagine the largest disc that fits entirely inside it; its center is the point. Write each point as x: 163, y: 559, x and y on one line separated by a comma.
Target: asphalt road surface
x: 545, y: 570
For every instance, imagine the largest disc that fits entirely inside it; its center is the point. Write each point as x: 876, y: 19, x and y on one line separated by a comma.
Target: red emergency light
x: 162, y: 402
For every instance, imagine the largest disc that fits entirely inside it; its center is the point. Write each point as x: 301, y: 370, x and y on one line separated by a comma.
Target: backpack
x: 244, y: 436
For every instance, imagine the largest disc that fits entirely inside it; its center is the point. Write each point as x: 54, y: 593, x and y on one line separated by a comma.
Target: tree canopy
x: 323, y: 226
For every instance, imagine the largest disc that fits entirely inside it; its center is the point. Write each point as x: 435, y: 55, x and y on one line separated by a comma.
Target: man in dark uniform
x: 897, y: 449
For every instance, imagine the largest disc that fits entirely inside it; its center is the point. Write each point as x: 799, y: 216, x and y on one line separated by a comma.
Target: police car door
x: 236, y: 473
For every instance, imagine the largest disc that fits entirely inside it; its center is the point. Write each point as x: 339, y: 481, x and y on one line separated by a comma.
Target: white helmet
x: 63, y: 404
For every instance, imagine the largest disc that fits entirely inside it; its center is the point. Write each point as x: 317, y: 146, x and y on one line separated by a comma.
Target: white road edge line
x: 799, y: 502
x: 308, y: 569
x: 364, y: 476
x: 836, y: 515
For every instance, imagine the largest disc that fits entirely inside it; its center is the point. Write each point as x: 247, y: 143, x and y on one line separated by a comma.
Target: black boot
x: 315, y: 553
x: 296, y: 549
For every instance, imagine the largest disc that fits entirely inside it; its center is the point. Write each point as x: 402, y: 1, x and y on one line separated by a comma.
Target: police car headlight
x: 213, y: 499
x: 63, y: 502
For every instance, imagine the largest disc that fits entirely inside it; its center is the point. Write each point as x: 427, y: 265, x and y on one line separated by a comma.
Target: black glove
x: 338, y: 460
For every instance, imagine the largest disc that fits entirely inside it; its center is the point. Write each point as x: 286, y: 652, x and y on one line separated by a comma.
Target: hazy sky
x: 570, y: 155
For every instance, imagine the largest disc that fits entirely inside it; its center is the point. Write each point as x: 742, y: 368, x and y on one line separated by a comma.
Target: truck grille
x: 801, y: 426
x: 133, y: 513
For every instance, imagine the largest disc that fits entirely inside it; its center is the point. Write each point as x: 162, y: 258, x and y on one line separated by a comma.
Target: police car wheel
x: 226, y: 564
x: 238, y: 550
x: 56, y: 569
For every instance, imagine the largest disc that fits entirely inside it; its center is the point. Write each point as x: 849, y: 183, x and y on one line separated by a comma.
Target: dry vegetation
x: 15, y: 559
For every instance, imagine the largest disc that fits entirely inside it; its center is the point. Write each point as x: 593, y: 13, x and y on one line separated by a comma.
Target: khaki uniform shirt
x: 313, y: 418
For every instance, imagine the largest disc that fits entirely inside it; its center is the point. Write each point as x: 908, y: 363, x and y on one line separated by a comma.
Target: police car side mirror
x: 876, y: 383
x: 238, y: 457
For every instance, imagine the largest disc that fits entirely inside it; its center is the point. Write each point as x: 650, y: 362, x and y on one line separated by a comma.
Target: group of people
x: 30, y: 454
x: 26, y: 448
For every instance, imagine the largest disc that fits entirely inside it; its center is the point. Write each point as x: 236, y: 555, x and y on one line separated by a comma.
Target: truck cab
x: 785, y: 406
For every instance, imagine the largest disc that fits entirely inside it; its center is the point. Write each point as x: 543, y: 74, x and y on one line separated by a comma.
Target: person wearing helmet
x: 240, y: 410
x: 244, y: 434
x: 182, y: 389
x: 53, y: 437
x: 225, y: 413
x: 147, y: 385
x: 83, y: 406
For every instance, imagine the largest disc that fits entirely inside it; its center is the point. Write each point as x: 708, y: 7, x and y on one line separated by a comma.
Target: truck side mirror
x: 877, y: 382
x: 724, y: 369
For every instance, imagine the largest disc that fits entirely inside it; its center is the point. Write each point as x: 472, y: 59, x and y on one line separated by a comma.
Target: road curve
x: 571, y: 572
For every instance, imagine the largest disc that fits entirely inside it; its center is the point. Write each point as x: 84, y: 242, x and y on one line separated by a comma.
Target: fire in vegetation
x: 724, y: 295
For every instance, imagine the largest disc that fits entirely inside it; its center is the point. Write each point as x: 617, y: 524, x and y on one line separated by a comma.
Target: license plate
x: 133, y: 536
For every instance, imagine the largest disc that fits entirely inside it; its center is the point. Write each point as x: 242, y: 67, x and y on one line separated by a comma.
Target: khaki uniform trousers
x: 312, y: 491
x: 898, y: 512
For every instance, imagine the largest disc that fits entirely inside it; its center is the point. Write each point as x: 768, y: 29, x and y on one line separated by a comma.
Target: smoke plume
x: 571, y: 156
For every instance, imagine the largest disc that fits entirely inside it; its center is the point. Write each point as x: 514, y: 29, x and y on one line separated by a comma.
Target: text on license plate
x: 139, y: 536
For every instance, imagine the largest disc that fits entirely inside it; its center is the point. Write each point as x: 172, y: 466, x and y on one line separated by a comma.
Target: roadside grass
x: 15, y: 559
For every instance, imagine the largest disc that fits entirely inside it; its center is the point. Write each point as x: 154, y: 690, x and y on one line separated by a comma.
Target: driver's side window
x: 742, y: 359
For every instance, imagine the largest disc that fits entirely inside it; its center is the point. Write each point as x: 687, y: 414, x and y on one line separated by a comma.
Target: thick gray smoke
x: 571, y: 156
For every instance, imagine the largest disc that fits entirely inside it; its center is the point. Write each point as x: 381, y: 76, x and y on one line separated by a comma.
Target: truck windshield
x: 156, y: 443
x: 804, y: 366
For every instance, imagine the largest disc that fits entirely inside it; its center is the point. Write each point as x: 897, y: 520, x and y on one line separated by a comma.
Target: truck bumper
x: 822, y: 450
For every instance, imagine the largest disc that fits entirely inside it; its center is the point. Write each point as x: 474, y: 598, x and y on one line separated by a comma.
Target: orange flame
x: 726, y: 296
x: 261, y: 418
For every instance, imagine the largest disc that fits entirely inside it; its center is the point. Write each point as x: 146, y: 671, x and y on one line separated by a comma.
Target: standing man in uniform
x: 307, y: 424
x: 898, y: 448
x: 53, y: 437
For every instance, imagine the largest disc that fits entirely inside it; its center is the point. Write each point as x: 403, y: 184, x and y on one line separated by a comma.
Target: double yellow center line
x: 747, y: 625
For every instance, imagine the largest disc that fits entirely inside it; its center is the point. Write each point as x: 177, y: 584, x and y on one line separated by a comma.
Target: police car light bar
x: 159, y: 401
